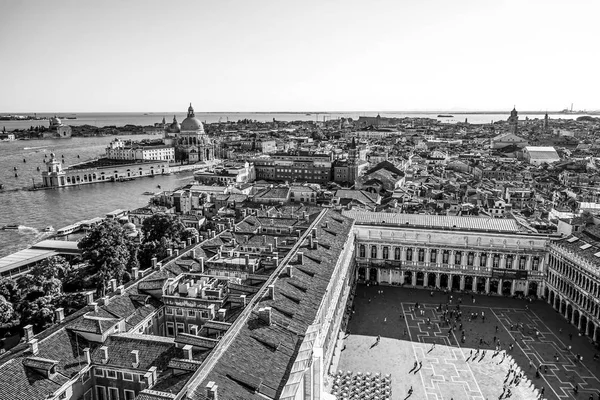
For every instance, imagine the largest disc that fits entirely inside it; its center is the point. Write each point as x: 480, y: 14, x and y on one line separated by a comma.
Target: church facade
x: 191, y: 142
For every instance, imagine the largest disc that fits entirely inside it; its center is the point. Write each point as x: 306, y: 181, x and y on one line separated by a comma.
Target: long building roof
x: 434, y: 221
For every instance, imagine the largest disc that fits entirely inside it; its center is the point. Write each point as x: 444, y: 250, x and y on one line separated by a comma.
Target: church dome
x: 54, y: 121
x: 130, y: 226
x: 191, y: 123
x: 174, y: 127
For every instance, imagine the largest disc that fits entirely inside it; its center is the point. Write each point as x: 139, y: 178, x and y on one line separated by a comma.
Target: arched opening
x: 533, y: 289
x: 420, y: 279
x: 408, y: 277
x: 362, y: 274
x: 562, y: 307
x: 494, y: 285
x: 551, y: 297
x: 431, y: 279
x: 444, y: 281
x: 480, y: 285
x: 506, y: 287
x: 569, y: 312
x: 583, y: 325
x: 456, y: 282
x: 373, y: 274
x: 547, y: 293
x: 469, y: 283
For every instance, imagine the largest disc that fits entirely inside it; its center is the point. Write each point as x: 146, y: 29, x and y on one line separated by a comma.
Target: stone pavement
x: 448, y: 370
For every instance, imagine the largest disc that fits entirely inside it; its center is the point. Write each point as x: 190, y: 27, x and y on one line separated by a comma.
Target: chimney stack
x: 290, y: 270
x: 28, y: 332
x: 89, y: 298
x: 104, y: 351
x: 187, y: 352
x: 193, y: 254
x: 316, y: 244
x: 33, y: 346
x: 271, y: 291
x: 86, y: 353
x: 121, y: 290
x: 264, y: 314
x: 59, y: 314
x: 222, y: 313
x: 176, y: 252
x: 153, y: 261
x: 211, y: 391
x: 169, y: 252
x: 300, y: 255
x: 106, y: 300
x: 243, y: 298
x: 247, y: 260
x: 113, y: 285
x: 135, y: 358
x: 189, y: 242
x: 201, y: 264
x: 136, y: 273
x: 276, y: 239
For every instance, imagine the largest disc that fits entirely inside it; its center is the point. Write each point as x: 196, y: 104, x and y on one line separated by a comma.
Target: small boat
x: 16, y: 175
x: 445, y: 116
x: 1, y: 186
x: 158, y: 186
x: 148, y: 193
x: 49, y: 228
x: 38, y: 168
x: 10, y: 227
x: 24, y: 160
x: 14, y: 168
x: 77, y: 155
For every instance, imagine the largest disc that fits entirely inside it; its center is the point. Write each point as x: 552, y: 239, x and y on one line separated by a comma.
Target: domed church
x: 189, y: 137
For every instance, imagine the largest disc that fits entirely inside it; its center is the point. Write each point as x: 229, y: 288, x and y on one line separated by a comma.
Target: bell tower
x: 353, y: 158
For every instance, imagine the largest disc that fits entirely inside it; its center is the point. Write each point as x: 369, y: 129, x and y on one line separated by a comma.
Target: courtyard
x: 421, y: 351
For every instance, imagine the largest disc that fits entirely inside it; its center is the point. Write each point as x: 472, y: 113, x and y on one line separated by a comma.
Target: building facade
x: 119, y: 150
x: 460, y: 253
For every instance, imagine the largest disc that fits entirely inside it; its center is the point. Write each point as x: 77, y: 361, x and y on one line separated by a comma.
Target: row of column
x: 557, y: 302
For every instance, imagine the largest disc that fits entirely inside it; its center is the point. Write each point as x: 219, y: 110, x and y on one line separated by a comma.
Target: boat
x: 10, y: 227
x: 67, y: 230
x: 445, y: 116
x: 148, y: 193
x: 49, y: 228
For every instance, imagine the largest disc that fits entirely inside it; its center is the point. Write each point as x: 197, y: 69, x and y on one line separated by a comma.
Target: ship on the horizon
x: 445, y: 116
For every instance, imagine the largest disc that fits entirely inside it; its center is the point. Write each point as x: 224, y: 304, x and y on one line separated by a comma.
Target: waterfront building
x: 57, y: 129
x: 190, y: 138
x: 102, y: 170
x: 484, y: 255
x: 302, y: 166
x: 230, y: 173
x: 117, y: 149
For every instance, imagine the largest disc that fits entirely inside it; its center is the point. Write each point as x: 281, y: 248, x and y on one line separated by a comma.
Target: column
x: 566, y: 308
x: 437, y: 280
x: 500, y: 286
x: 403, y: 254
x: 462, y: 282
x: 414, y: 278
x: 425, y: 279
x: 451, y: 257
x: 367, y: 273
x: 439, y: 256
x: 489, y: 262
x: 477, y: 260
x: 474, y: 286
x: 595, y: 333
x: 503, y: 261
x: 450, y: 276
x: 513, y: 287
x: 487, y: 284
x: 402, y: 277
x: 587, y: 328
x: 389, y: 276
x: 463, y: 260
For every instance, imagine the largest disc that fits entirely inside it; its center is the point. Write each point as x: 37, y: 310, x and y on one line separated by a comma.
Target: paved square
x: 447, y: 367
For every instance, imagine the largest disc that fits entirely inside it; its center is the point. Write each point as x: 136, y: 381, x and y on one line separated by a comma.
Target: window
x: 458, y: 258
x: 433, y: 255
x: 86, y: 376
x: 362, y: 251
x: 129, y: 394
x: 113, y: 393
x: 535, y: 264
x: 470, y: 259
x: 180, y: 328
x: 100, y: 393
x: 111, y: 373
x: 88, y: 395
x: 409, y: 254
x: 179, y: 311
x: 170, y: 329
x: 522, y: 263
x: 62, y: 396
x: 397, y: 253
x: 386, y: 252
x: 191, y: 313
x: 98, y: 372
x: 421, y: 255
x: 169, y: 311
x: 205, y: 314
x: 445, y: 256
x: 496, y: 260
x: 127, y: 376
x: 373, y: 251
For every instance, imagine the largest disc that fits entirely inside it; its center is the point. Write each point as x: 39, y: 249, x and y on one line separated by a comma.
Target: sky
x: 305, y: 55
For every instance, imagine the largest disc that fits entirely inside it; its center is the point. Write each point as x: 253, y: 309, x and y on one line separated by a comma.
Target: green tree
x: 8, y: 318
x: 162, y: 225
x: 10, y: 290
x: 39, y: 312
x: 106, y: 249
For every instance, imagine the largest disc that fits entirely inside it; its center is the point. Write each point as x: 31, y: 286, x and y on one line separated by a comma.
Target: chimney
x: 187, y: 352
x: 89, y: 298
x: 33, y: 346
x: 95, y: 306
x: 276, y: 242
x: 275, y: 261
x: 316, y: 244
x: 193, y: 254
x: 159, y: 265
x: 197, y: 239
x: 271, y: 291
x: 104, y: 351
x: 247, y: 260
x: 189, y: 242
x: 264, y: 239
x: 152, y: 371
x: 290, y: 270
x: 121, y: 290
x: 136, y: 273
x: 243, y: 299
x: 314, y: 232
x: 310, y: 242
x: 300, y: 257
x: 193, y: 329
x: 28, y: 332
x: 135, y: 358
x: 153, y: 261
x: 169, y: 252
x: 211, y: 391
x: 176, y: 252
x: 113, y: 285
x: 222, y: 313
x: 86, y: 353
x: 270, y: 247
x: 106, y: 300
x: 264, y: 314
x: 201, y: 264
x: 59, y: 313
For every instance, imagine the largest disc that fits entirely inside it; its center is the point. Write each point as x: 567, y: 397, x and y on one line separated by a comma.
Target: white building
x: 120, y: 150
x: 538, y: 155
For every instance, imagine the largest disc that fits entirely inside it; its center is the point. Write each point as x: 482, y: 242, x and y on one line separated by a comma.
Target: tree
x: 39, y: 312
x: 8, y: 318
x: 162, y: 225
x: 10, y: 290
x: 106, y: 249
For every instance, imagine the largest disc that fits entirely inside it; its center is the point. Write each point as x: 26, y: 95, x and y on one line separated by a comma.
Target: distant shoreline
x: 463, y: 112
